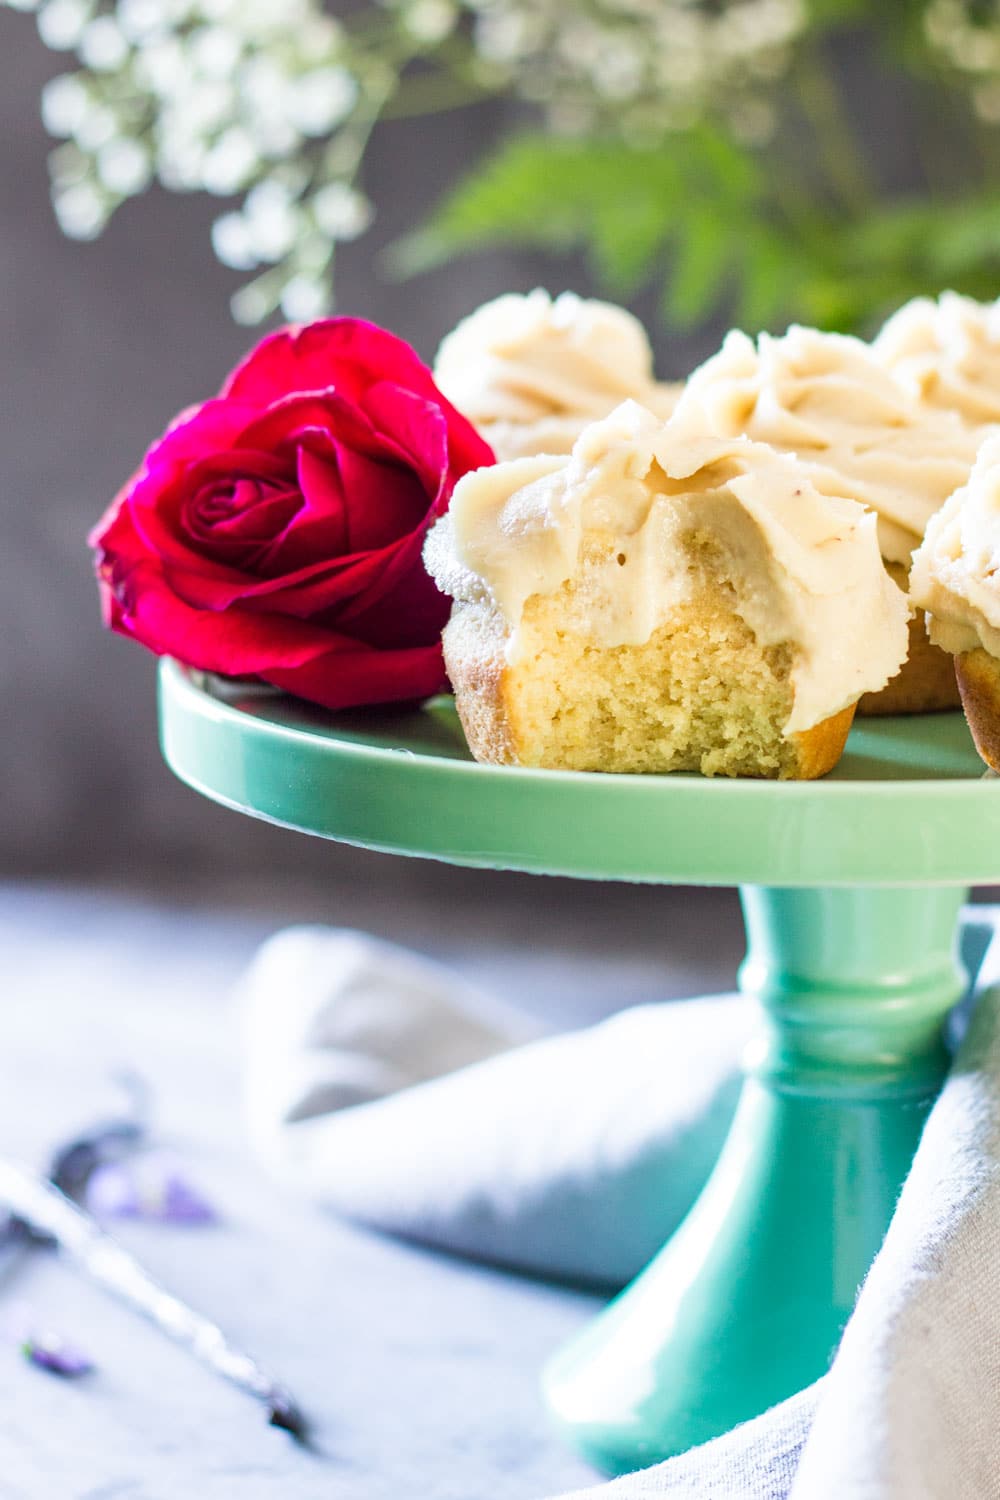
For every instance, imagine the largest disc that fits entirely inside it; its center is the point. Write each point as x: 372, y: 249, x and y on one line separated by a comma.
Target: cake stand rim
x: 185, y: 702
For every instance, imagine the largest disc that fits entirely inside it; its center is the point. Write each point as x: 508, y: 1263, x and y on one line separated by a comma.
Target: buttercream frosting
x: 805, y: 566
x: 956, y: 572
x: 530, y: 372
x: 947, y: 354
x: 828, y: 400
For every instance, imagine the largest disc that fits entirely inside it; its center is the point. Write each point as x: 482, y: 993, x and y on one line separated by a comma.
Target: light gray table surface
x: 419, y: 1371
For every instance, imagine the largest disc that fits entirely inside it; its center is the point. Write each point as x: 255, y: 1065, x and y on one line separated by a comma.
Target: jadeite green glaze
x: 746, y: 1303
x: 851, y: 890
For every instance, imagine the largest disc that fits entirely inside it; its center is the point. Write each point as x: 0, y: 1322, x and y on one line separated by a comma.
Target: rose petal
x: 343, y: 354
x: 419, y: 428
x: 384, y: 501
x: 211, y: 428
x: 140, y: 545
x: 318, y: 529
x: 353, y: 675
x: 232, y: 641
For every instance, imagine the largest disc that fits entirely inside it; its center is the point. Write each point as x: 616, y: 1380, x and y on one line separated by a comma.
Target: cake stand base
x: 746, y: 1303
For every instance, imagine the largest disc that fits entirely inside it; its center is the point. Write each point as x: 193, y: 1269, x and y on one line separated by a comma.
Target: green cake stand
x: 851, y: 889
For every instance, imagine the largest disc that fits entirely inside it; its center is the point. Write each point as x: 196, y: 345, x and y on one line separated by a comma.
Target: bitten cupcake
x: 531, y: 372
x: 828, y: 400
x: 947, y: 354
x: 661, y: 602
x: 956, y: 579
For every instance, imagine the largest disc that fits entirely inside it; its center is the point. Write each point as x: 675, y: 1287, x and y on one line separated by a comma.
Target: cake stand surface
x: 851, y: 889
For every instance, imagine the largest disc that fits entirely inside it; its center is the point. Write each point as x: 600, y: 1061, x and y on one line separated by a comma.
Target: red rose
x: 276, y: 531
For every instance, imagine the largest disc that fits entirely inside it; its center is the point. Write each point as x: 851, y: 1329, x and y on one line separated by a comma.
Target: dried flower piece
x: 151, y: 1186
x: 49, y: 1351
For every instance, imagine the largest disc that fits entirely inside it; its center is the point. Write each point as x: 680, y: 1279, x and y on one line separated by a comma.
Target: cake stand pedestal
x: 851, y: 889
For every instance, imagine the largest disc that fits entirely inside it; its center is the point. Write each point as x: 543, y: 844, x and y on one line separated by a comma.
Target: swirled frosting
x: 530, y: 372
x: 828, y: 400
x: 805, y: 566
x: 947, y: 354
x: 956, y: 572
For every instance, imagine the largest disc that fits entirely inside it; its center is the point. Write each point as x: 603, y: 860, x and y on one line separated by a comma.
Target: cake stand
x: 851, y: 889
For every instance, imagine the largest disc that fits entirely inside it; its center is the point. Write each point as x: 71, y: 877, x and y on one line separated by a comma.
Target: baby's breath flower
x: 81, y: 210
x: 64, y: 104
x: 319, y: 100
x: 230, y: 164
x: 102, y: 45
x: 61, y: 23
x: 303, y: 298
x: 231, y: 242
x: 430, y: 21
x: 97, y: 125
x: 124, y: 167
x: 341, y: 211
x: 272, y: 218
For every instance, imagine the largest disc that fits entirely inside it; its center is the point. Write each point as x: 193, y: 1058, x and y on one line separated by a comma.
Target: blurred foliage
x: 707, y: 147
x: 714, y: 229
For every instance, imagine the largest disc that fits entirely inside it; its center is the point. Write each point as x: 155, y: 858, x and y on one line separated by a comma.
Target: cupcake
x: 956, y: 579
x: 828, y: 400
x: 662, y: 602
x: 947, y: 355
x: 531, y: 372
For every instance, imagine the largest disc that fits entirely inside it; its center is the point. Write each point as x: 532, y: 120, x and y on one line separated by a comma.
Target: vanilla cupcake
x: 531, y: 372
x: 828, y: 400
x: 956, y: 579
x: 947, y: 355
x: 662, y: 602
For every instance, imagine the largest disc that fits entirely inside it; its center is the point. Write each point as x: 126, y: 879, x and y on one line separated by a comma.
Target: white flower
x: 161, y: 64
x: 97, y: 126
x: 340, y: 211
x: 64, y: 104
x: 215, y: 50
x: 251, y: 304
x: 303, y: 298
x: 124, y: 167
x: 102, y: 46
x: 81, y: 211
x: 140, y: 19
x: 179, y: 161
x: 231, y: 242
x: 272, y: 220
x: 317, y: 101
x: 206, y: 105
x: 61, y: 23
x: 430, y: 21
x: 230, y: 163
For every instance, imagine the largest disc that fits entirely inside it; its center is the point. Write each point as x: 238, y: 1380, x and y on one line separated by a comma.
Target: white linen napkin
x: 380, y: 1085
x: 383, y: 1087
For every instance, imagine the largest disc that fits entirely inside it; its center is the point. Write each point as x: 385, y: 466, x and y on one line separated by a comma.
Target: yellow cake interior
x: 701, y: 694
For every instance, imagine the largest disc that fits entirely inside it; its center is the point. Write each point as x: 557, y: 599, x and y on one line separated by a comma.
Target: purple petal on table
x: 150, y: 1186
x: 51, y: 1352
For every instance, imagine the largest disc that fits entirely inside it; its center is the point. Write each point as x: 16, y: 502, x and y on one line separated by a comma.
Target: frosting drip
x: 617, y: 517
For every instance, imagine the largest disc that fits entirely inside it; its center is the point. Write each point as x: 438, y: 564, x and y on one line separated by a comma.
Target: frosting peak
x: 616, y: 517
x: 530, y: 371
x: 827, y: 399
x: 947, y: 354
